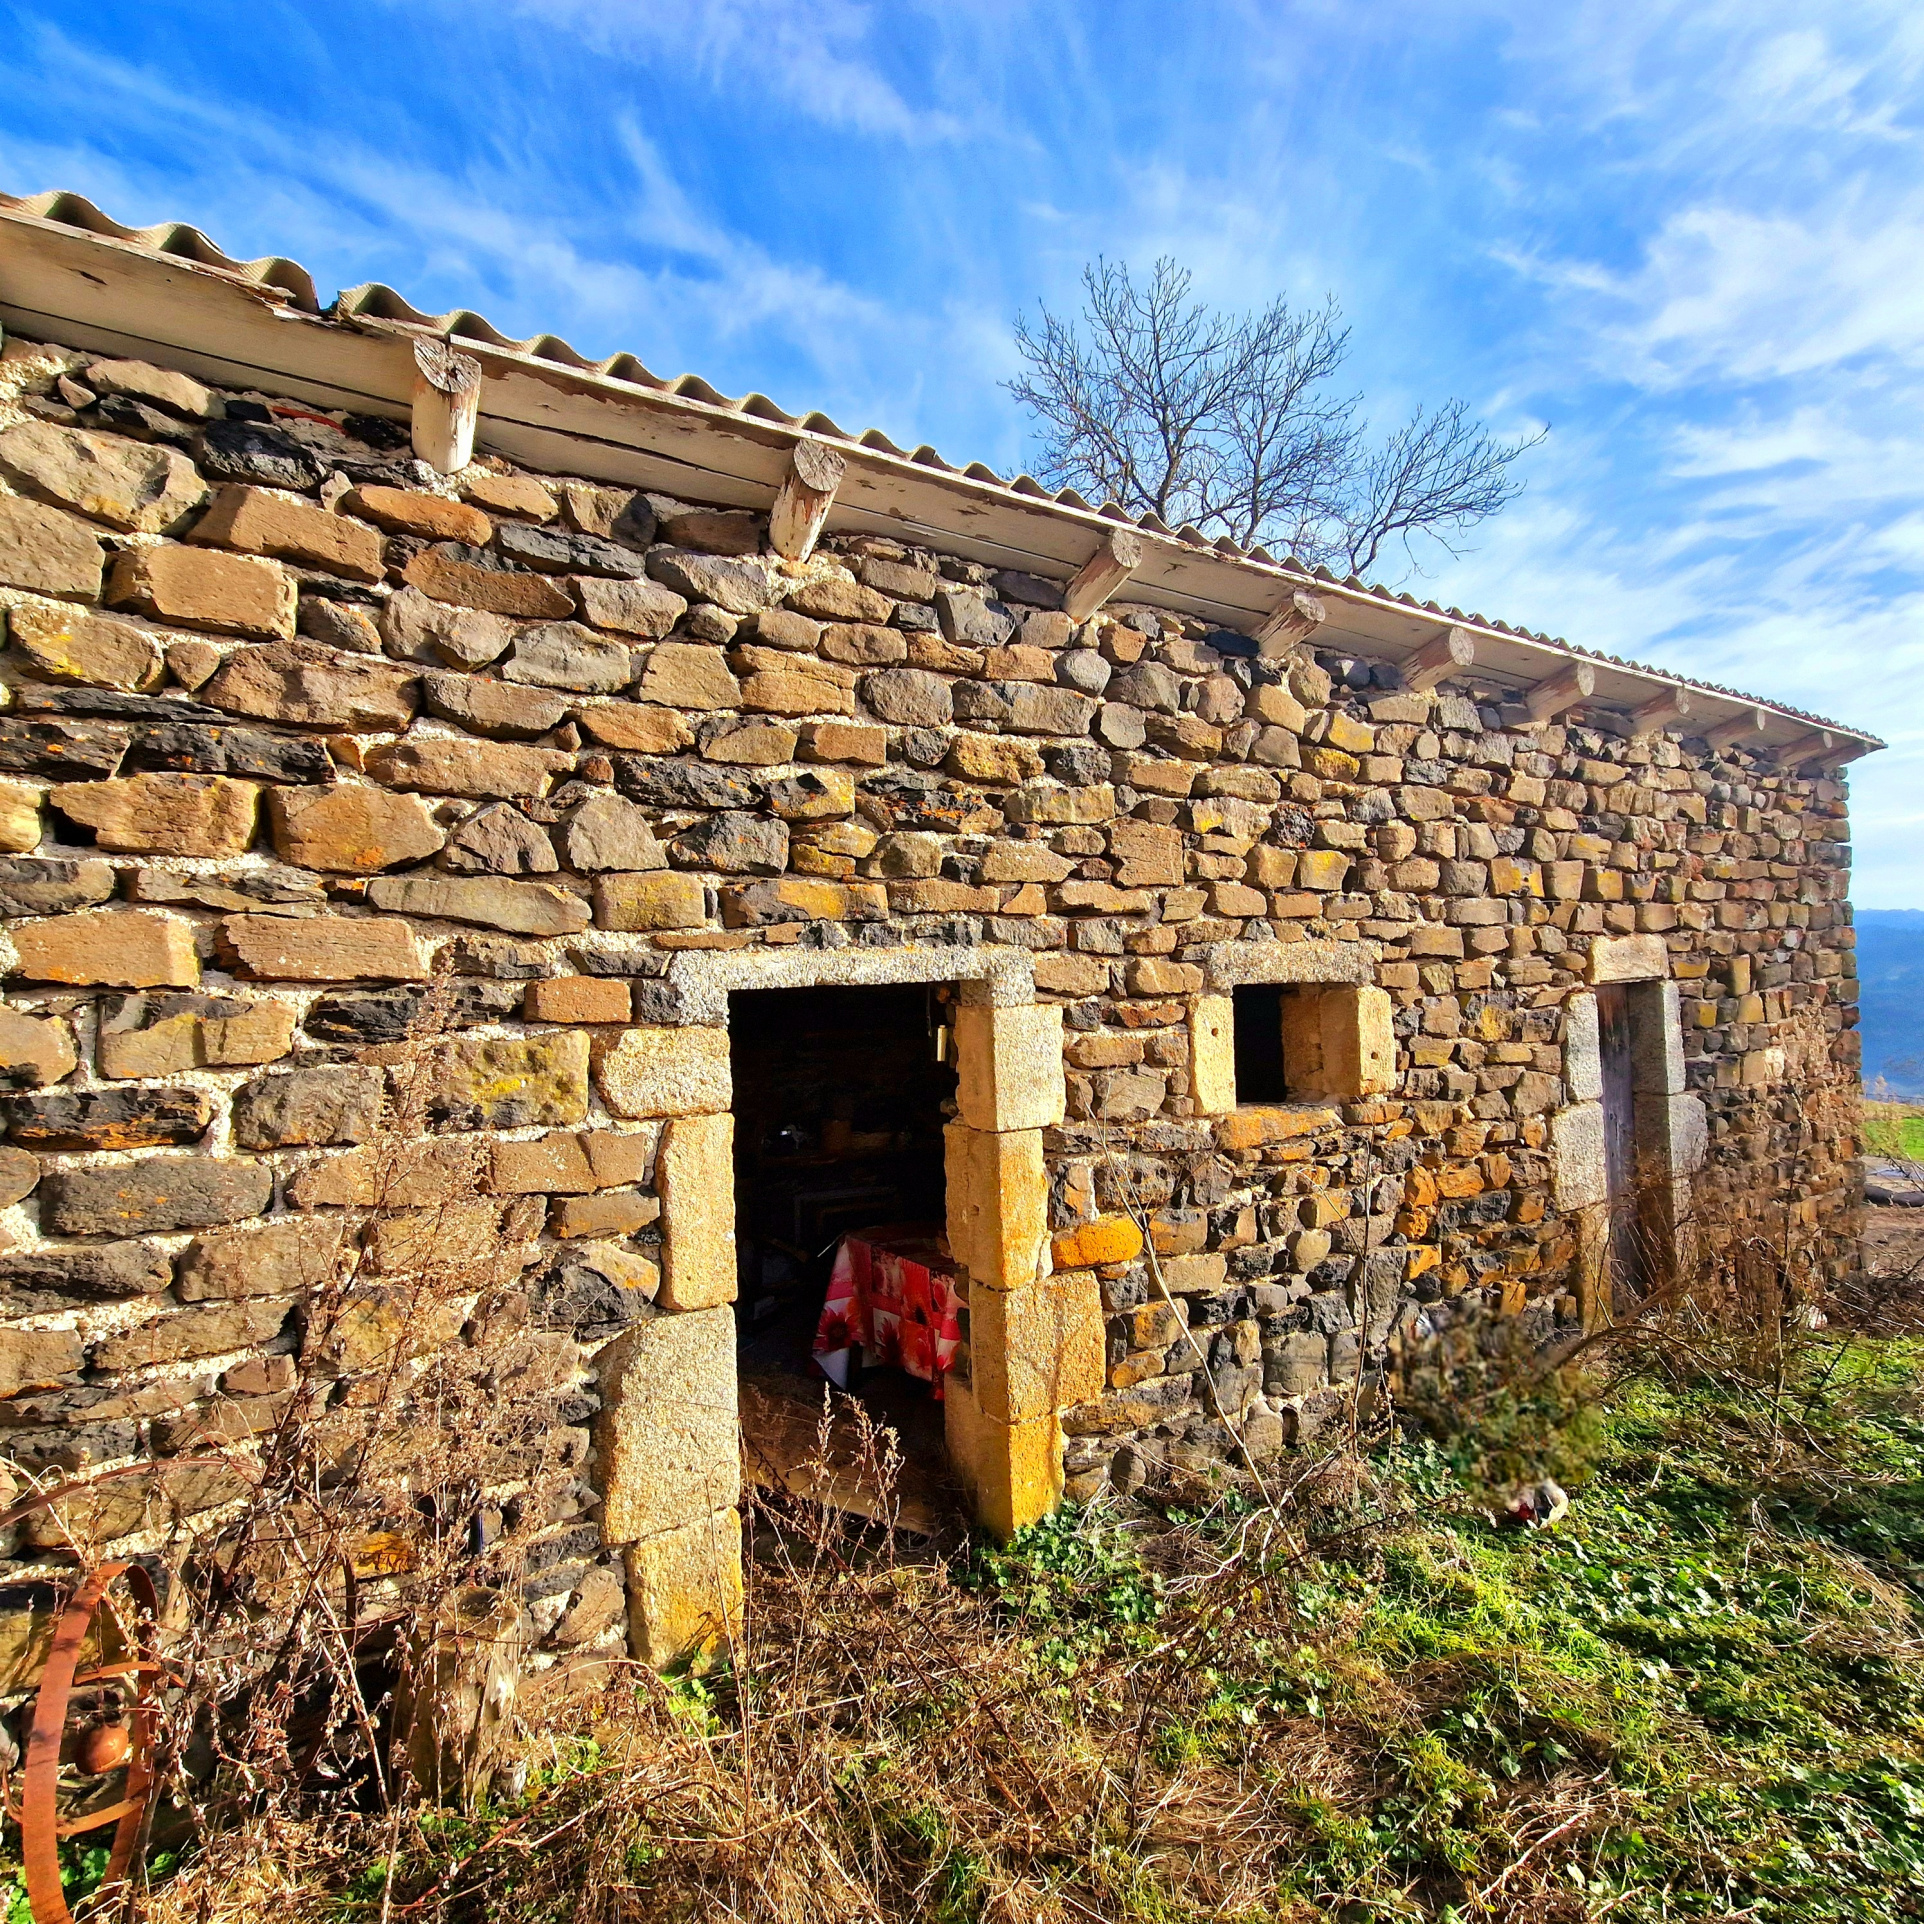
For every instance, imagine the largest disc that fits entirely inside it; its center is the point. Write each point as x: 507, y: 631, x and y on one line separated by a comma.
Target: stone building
x: 1399, y: 973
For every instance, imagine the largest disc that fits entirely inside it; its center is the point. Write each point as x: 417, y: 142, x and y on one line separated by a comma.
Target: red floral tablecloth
x: 892, y: 1295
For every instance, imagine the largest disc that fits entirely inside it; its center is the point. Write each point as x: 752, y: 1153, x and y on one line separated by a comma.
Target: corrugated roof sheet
x: 375, y: 301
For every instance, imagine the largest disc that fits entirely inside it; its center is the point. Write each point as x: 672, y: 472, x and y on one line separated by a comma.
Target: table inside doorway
x: 893, y: 1295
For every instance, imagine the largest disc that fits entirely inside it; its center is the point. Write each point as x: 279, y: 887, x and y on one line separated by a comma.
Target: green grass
x: 1716, y: 1650
x: 1892, y: 1131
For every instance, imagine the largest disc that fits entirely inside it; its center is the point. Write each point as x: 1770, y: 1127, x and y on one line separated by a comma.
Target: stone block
x: 609, y: 1213
x: 257, y: 522
x: 278, y: 1259
x: 695, y: 1176
x: 339, y: 1103
x: 1148, y: 856
x: 117, y: 949
x: 402, y: 511
x: 1037, y: 1349
x: 485, y: 771
x: 228, y: 594
x: 516, y: 494
x: 162, y: 814
x: 48, y: 552
x: 519, y: 908
x: 321, y: 948
x: 351, y: 828
x: 1629, y: 958
x: 19, y: 817
x: 684, y: 1591
x: 649, y: 902
x: 579, y: 998
x: 836, y: 741
x: 1582, y: 1049
x: 461, y: 574
x: 96, y: 651
x: 134, y: 486
x: 510, y: 1082
x: 35, y: 1050
x: 37, y: 1359
x: 1656, y: 1039
x: 301, y: 681
x: 153, y: 1197
x: 165, y: 1035
x: 1013, y: 1470
x: 1009, y: 1066
x: 1576, y: 1150
x: 642, y: 608
x: 668, y: 1441
x: 998, y: 1204
x: 1109, y: 1239
x: 210, y: 1330
x: 1212, y: 1054
x: 108, y: 1118
x: 414, y: 628
x: 49, y: 1278
x: 552, y: 1165
x: 665, y: 1072
x: 392, y: 1174
x: 1359, y: 1044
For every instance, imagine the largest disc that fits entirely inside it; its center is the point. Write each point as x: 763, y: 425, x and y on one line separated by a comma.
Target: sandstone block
x: 698, y: 1248
x: 649, y: 731
x: 735, y: 843
x: 176, y: 393
x: 1149, y: 856
x: 118, y: 949
x: 35, y: 1050
x: 402, y: 511
x: 609, y: 832
x: 95, y: 650
x: 257, y: 522
x: 649, y: 902
x: 481, y: 770
x: 1629, y: 958
x: 511, y: 1082
x: 1009, y: 1067
x: 36, y: 1359
x: 629, y: 607
x: 998, y: 1204
x: 836, y: 598
x: 52, y: 1279
x: 731, y: 531
x: 152, y: 1197
x: 321, y: 948
x: 579, y: 998
x: 1072, y: 974
x: 862, y: 644
x: 415, y: 627
x: 516, y: 494
x: 300, y: 681
x: 1013, y: 1470
x: 567, y: 551
x: 610, y: 1214
x: 802, y: 899
x: 1212, y: 1054
x: 552, y: 1165
x: 564, y: 654
x: 783, y: 628
x: 278, y: 1259
x: 668, y: 1440
x: 130, y: 485
x: 1109, y: 1239
x: 164, y: 1035
x: 1025, y: 862
x: 520, y: 908
x: 998, y: 759
x: 749, y: 743
x: 351, y: 828
x: 308, y: 1106
x: 228, y: 594
x: 48, y: 552
x: 1577, y: 1156
x: 782, y: 691
x: 742, y: 587
x: 207, y: 1331
x: 19, y: 817
x: 460, y: 573
x: 1037, y: 1349
x: 859, y: 742
x: 665, y: 1072
x: 164, y: 814
x: 392, y: 1174
x: 684, y: 1591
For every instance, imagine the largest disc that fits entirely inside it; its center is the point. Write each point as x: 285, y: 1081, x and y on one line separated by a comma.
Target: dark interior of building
x: 840, y: 1096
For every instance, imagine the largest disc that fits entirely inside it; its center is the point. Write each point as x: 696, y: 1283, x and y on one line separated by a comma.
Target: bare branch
x: 1152, y: 400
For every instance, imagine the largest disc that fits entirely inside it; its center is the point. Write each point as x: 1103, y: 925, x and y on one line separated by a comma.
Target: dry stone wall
x: 304, y: 743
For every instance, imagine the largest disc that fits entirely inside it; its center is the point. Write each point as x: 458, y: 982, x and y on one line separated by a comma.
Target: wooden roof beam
x: 1550, y: 698
x: 802, y: 502
x: 446, y: 404
x: 1745, y: 729
x: 1438, y: 660
x: 1290, y: 625
x: 1674, y: 705
x: 1102, y: 574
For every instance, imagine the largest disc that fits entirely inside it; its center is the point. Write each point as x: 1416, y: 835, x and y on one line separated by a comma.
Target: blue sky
x: 1689, y: 238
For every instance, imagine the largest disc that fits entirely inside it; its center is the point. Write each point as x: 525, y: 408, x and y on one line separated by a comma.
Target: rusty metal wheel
x: 40, y: 1827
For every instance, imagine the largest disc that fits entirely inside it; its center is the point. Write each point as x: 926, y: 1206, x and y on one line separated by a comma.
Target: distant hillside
x: 1890, y: 967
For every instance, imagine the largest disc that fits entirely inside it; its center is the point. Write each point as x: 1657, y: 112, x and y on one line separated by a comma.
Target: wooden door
x: 1619, y: 1135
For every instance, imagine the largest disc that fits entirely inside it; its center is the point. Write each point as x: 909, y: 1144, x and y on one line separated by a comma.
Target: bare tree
x: 1163, y: 405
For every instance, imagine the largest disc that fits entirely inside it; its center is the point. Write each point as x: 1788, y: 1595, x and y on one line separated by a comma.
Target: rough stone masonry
x: 301, y: 737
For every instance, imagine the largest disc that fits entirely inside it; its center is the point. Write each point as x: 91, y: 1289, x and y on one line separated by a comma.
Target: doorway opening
x: 1640, y: 1060
x: 840, y: 1098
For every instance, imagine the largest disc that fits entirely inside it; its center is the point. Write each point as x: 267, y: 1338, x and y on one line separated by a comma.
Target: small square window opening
x: 1258, y: 1015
